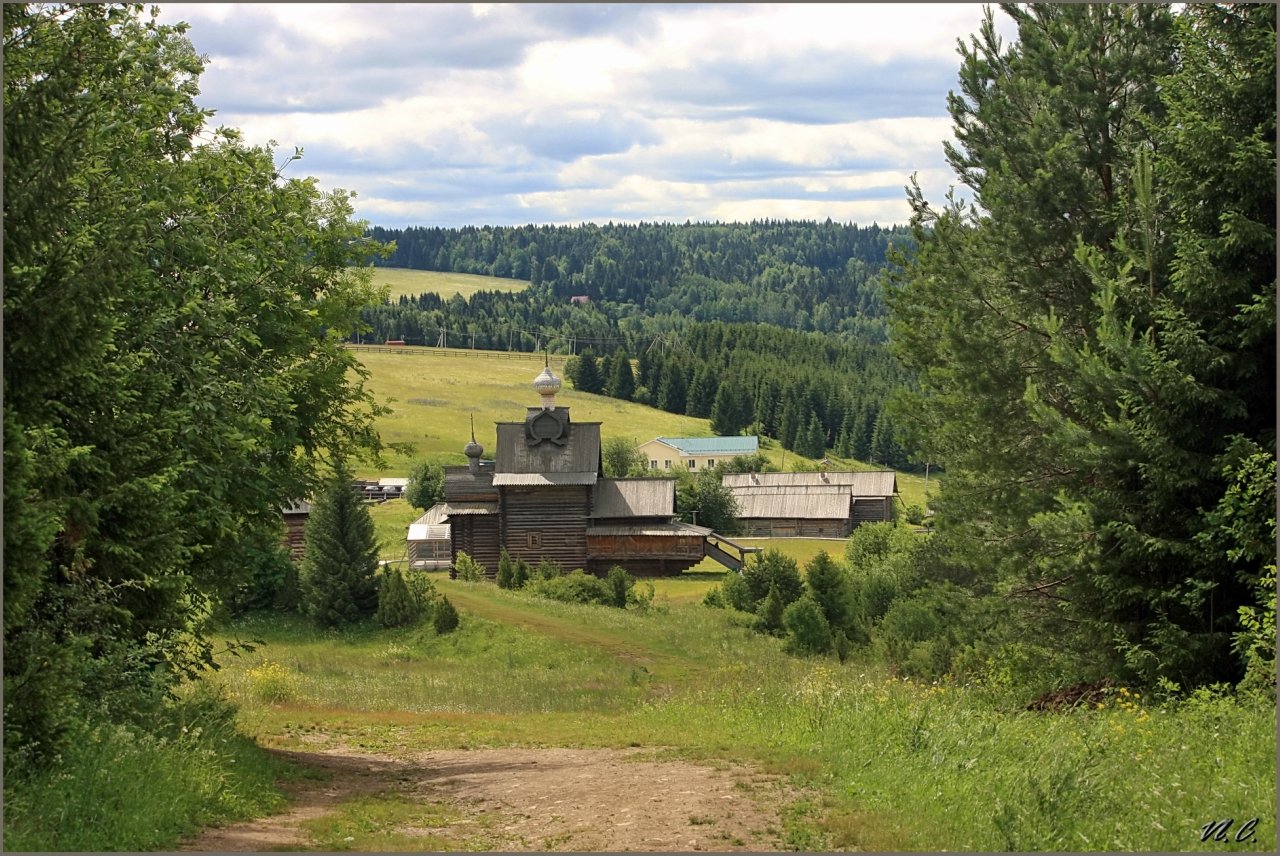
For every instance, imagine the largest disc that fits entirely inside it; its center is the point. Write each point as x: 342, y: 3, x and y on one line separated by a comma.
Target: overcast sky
x: 491, y: 114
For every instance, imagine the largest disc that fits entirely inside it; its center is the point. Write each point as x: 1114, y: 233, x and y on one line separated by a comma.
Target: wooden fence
x: 431, y: 350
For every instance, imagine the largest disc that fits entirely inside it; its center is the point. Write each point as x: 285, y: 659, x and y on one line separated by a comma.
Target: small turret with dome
x: 547, y: 385
x: 473, y: 450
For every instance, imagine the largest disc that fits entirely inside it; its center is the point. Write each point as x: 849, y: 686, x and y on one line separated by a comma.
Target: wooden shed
x: 812, y: 505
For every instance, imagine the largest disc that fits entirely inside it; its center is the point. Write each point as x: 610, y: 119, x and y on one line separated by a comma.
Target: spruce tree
x: 729, y: 410
x: 828, y: 584
x: 446, y: 618
x: 341, y: 559
x: 622, y: 383
x: 396, y: 604
x: 587, y: 377
x: 1096, y: 343
x: 770, y: 613
x: 673, y: 390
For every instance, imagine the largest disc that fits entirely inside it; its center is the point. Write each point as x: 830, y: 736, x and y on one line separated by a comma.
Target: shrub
x: 446, y: 617
x: 269, y: 567
x: 271, y: 683
x: 426, y: 485
x: 547, y: 570
x: 467, y: 569
x: 714, y: 597
x: 620, y: 584
x: 769, y: 569
x: 737, y: 593
x: 807, y: 629
x: 289, y: 595
x: 421, y: 589
x: 769, y: 615
x: 397, y: 604
x: 520, y: 574
x: 506, y: 571
x: 577, y: 587
x: 915, y: 515
x: 922, y: 633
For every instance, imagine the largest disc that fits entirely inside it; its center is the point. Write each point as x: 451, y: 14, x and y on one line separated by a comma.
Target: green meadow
x: 435, y: 393
x: 880, y: 763
x: 407, y: 282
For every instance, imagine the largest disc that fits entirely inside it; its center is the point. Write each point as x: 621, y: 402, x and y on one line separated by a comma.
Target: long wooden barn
x: 812, y: 505
x: 542, y: 496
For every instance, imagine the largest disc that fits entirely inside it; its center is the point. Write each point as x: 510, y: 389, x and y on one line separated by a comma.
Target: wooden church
x: 542, y: 496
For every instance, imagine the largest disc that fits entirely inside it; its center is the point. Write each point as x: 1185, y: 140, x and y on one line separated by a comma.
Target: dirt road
x: 534, y: 799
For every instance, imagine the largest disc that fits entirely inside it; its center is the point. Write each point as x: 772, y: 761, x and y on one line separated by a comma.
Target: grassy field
x: 403, y: 281
x: 434, y: 393
x: 886, y: 764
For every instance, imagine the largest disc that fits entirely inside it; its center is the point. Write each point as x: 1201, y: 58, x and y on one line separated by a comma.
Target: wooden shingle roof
x: 874, y: 483
x: 798, y: 504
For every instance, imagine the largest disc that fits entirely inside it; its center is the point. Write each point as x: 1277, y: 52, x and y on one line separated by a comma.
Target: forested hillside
x: 801, y: 275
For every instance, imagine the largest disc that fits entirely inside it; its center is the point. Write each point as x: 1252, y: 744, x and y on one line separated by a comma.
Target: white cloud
x: 451, y: 114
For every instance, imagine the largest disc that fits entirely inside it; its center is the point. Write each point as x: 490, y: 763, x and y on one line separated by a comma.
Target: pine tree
x: 622, y: 383
x: 446, y: 618
x: 338, y: 582
x: 587, y: 378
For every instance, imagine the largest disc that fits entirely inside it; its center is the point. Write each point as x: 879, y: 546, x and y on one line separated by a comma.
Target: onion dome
x: 546, y: 383
x: 473, y: 450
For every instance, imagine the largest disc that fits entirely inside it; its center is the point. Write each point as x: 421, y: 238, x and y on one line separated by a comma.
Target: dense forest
x: 796, y: 274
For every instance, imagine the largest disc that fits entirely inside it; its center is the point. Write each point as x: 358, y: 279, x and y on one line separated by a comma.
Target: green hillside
x: 434, y: 392
x: 402, y: 281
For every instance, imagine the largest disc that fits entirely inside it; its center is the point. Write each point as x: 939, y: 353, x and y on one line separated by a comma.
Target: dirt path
x: 536, y: 799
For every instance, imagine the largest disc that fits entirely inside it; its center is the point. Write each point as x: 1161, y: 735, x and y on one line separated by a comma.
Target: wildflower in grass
x: 271, y: 682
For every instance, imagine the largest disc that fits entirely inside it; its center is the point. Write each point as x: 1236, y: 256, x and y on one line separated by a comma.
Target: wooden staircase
x: 715, y: 547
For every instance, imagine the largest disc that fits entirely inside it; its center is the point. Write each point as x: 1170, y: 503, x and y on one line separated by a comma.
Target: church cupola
x: 547, y: 385
x: 473, y: 450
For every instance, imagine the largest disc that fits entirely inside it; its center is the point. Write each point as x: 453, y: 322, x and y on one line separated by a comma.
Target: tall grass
x: 890, y: 764
x: 119, y: 787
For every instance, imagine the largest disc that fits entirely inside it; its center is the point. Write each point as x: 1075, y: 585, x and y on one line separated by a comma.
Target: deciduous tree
x: 173, y: 362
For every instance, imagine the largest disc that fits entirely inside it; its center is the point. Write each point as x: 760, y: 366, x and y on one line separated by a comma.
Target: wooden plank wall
x: 558, y: 515
x: 477, y: 536
x: 770, y: 527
